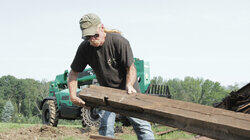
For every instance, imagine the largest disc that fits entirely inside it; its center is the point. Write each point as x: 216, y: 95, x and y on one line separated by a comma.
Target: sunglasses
x: 89, y: 36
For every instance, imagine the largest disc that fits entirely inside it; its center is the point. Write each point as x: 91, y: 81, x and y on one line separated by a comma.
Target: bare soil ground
x: 44, y: 132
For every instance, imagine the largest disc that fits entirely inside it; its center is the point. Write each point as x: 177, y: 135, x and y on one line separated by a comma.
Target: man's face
x: 97, y: 39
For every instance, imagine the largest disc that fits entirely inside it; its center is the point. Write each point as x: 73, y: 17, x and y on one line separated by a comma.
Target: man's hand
x: 77, y: 101
x: 130, y: 89
x: 72, y: 84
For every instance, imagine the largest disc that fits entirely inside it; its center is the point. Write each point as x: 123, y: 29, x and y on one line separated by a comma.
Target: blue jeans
x: 142, y: 128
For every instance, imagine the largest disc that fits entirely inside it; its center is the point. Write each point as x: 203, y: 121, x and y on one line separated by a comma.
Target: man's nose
x: 91, y: 38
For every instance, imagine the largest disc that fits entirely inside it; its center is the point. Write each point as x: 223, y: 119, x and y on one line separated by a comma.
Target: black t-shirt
x: 108, y: 61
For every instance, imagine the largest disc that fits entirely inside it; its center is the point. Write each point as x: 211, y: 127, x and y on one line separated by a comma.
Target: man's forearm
x: 131, y: 75
x: 72, y: 83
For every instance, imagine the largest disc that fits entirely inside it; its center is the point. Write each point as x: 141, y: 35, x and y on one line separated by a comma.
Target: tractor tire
x: 49, y: 113
x: 90, y: 117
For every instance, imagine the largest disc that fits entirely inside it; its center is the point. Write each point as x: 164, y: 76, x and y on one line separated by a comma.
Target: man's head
x: 92, y: 29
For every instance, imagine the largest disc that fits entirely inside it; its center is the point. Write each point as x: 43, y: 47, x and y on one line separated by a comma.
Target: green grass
x: 70, y: 138
x: 127, y: 137
x: 158, y: 128
x: 131, y: 136
x: 66, y: 125
x: 177, y: 134
x: 63, y: 138
x: 7, y: 126
x: 172, y: 135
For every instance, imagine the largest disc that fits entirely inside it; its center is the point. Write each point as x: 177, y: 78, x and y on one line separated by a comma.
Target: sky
x: 207, y: 39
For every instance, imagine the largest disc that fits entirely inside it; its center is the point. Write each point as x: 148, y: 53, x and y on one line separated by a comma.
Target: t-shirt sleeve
x: 80, y: 62
x: 125, y: 51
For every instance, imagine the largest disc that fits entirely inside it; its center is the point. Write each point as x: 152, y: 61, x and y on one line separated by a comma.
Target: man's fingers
x: 131, y: 91
x: 82, y: 103
x: 79, y: 102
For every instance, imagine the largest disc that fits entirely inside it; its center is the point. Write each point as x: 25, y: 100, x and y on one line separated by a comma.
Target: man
x: 111, y: 58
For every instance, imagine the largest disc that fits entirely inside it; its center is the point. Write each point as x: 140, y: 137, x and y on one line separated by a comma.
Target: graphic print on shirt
x: 112, y: 61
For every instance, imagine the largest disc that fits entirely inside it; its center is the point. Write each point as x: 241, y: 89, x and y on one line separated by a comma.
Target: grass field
x: 10, y: 126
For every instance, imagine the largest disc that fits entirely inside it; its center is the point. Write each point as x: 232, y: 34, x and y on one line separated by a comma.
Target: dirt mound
x: 44, y: 132
x: 47, y: 132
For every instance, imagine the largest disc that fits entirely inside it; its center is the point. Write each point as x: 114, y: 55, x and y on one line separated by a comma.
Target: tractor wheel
x: 90, y: 117
x: 49, y: 113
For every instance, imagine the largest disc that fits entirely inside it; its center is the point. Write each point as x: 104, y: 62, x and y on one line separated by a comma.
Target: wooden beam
x: 195, y: 118
x: 167, y: 131
x: 98, y: 137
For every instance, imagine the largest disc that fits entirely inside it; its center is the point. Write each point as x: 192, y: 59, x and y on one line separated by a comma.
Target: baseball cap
x: 89, y: 24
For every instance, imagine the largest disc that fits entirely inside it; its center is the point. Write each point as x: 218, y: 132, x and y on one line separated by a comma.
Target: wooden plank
x: 195, y: 118
x: 167, y: 131
x: 99, y: 137
x: 236, y: 100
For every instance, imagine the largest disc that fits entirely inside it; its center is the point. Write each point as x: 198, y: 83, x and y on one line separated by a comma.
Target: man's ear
x: 102, y: 26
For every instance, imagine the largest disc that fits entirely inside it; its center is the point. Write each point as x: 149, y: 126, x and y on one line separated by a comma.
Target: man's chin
x: 95, y: 44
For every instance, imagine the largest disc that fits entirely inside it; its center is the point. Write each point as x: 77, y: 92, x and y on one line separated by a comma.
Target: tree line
x: 196, y: 90
x: 19, y: 98
x: 23, y: 95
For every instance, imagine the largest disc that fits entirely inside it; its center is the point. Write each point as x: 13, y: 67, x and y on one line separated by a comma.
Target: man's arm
x: 130, y: 79
x: 72, y: 84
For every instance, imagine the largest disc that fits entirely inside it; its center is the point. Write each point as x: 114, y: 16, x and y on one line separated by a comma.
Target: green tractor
x: 58, y: 105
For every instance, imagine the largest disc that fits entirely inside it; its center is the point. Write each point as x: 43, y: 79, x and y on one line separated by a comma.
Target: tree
x: 7, y: 112
x: 23, y: 93
x: 157, y: 80
x: 43, y: 91
x: 176, y: 89
x: 2, y: 103
x: 234, y: 87
x: 8, y: 86
x: 196, y: 90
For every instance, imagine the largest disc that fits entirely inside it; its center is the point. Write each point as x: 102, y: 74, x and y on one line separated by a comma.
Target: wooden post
x: 194, y: 118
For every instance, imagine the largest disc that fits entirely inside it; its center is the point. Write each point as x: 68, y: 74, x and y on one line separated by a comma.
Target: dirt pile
x: 44, y: 132
x: 47, y: 132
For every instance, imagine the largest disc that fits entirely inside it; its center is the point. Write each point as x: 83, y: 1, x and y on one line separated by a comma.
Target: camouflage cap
x: 89, y: 24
